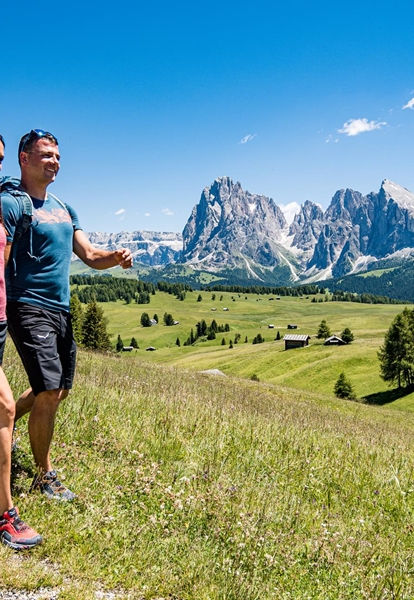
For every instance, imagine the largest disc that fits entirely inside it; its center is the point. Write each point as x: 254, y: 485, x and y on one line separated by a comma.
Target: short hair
x: 2, y: 140
x: 28, y: 140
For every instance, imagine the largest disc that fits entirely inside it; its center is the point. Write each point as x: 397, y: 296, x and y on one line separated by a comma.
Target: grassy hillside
x: 194, y: 487
x: 315, y: 368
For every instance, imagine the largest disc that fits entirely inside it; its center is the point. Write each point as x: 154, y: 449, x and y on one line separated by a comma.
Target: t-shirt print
x: 56, y: 215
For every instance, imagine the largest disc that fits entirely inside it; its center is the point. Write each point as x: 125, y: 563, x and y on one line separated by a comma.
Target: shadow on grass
x: 21, y: 470
x: 382, y: 398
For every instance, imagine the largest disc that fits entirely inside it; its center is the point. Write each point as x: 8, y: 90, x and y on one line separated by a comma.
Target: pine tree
x: 177, y: 342
x: 213, y: 326
x: 231, y: 344
x: 94, y: 333
x: 323, y: 330
x: 277, y: 336
x: 134, y: 343
x: 343, y: 388
x: 76, y: 312
x: 347, y: 336
x: 396, y: 355
x: 145, y: 320
x: 119, y: 344
x: 223, y: 342
x: 168, y: 319
x: 200, y: 297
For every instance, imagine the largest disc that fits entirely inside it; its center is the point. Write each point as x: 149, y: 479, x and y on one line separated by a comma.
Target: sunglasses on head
x: 34, y: 134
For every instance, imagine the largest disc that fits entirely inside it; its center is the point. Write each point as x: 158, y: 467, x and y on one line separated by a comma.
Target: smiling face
x: 42, y: 163
x: 1, y: 154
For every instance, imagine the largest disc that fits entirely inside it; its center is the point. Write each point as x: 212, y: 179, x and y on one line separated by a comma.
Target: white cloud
x: 167, y: 212
x: 147, y: 214
x: 247, y: 138
x: 120, y: 211
x: 290, y: 210
x: 357, y: 126
x: 330, y: 138
x: 410, y: 104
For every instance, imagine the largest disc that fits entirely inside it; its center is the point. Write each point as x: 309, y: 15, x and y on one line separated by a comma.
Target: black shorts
x: 3, y: 336
x: 45, y: 343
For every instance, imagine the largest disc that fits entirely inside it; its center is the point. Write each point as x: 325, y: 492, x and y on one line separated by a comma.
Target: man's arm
x: 99, y: 259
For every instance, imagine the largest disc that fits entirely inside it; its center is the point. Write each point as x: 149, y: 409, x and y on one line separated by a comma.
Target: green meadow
x: 314, y: 368
x: 199, y: 487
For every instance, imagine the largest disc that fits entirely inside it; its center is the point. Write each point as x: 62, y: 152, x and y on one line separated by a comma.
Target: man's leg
x: 24, y: 404
x: 41, y: 426
x: 7, y: 408
x: 45, y: 343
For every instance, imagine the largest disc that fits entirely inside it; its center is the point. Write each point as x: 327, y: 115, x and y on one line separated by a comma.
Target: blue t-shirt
x: 40, y: 275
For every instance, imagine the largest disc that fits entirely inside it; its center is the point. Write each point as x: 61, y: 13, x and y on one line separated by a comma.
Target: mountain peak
x: 396, y: 192
x: 230, y: 227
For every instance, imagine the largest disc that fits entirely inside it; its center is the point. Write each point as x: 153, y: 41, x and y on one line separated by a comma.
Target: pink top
x: 2, y: 283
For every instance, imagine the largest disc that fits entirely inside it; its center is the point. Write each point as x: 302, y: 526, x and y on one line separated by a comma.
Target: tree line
x: 397, y: 283
x: 301, y: 290
x: 364, y: 298
x: 110, y: 289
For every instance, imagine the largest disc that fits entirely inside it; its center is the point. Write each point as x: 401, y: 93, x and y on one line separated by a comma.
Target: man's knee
x: 7, y: 409
x: 51, y: 396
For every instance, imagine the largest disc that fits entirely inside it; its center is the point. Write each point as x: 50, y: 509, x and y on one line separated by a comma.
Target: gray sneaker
x: 49, y: 485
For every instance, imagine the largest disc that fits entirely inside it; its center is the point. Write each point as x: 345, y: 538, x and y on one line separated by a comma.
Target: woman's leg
x: 7, y: 412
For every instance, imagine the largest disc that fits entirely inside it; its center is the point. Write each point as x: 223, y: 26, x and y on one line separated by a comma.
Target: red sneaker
x: 15, y: 533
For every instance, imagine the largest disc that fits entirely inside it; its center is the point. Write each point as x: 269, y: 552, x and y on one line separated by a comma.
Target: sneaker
x: 49, y: 485
x: 16, y: 534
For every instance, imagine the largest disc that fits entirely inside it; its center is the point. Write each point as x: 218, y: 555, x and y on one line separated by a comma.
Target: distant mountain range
x: 237, y: 236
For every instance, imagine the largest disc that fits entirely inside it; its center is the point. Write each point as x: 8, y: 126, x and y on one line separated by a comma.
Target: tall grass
x: 196, y: 487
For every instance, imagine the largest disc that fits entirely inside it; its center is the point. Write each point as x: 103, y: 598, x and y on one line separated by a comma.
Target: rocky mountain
x: 232, y: 231
x: 358, y: 230
x: 231, y: 228
x: 148, y: 247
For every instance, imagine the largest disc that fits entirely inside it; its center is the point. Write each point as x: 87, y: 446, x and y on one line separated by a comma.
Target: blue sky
x: 152, y: 101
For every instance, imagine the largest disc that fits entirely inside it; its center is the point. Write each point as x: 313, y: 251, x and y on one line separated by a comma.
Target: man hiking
x: 38, y: 293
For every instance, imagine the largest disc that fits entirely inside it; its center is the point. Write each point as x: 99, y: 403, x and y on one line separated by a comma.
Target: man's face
x: 42, y: 162
x: 1, y: 154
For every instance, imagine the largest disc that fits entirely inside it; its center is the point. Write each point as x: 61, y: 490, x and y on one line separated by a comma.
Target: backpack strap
x: 22, y: 226
x: 26, y: 219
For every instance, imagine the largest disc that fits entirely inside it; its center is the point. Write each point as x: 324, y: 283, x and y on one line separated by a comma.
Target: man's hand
x: 124, y: 258
x: 99, y: 259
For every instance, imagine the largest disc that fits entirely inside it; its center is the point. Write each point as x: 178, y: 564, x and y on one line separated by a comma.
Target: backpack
x: 11, y: 184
